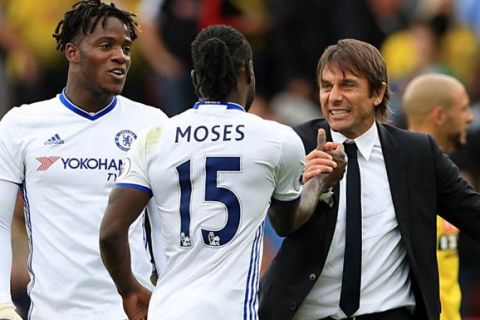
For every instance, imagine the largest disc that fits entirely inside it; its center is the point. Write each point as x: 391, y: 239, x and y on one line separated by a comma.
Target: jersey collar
x: 67, y: 103
x: 221, y: 104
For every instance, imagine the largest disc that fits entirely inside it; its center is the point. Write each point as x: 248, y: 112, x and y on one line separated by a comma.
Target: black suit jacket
x: 423, y: 182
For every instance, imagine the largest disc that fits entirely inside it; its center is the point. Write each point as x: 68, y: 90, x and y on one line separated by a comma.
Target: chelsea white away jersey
x: 213, y: 171
x: 67, y: 161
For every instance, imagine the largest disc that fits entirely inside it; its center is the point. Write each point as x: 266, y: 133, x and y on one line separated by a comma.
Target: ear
x: 378, y: 96
x: 72, y: 53
x: 250, y: 74
x: 194, y: 76
x: 195, y: 81
x: 437, y: 115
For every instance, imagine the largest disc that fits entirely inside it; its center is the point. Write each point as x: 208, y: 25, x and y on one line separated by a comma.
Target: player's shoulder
x: 37, y: 110
x: 149, y: 139
x: 141, y: 108
x: 283, y: 135
x: 266, y: 124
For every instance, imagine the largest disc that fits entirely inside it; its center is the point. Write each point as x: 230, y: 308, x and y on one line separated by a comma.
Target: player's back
x: 213, y: 171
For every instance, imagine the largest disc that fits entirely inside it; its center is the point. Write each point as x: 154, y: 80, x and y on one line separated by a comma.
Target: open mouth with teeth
x: 118, y: 72
x: 339, y: 113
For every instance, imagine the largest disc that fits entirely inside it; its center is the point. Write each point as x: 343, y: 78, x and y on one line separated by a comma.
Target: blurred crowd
x: 288, y: 37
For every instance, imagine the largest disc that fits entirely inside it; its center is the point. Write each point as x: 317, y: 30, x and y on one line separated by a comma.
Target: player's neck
x: 86, y: 100
x: 237, y: 98
x: 229, y: 98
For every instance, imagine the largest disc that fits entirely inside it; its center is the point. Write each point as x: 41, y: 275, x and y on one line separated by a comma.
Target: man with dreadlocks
x: 66, y: 153
x: 200, y: 167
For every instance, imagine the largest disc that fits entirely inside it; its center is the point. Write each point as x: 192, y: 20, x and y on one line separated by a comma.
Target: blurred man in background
x: 438, y: 105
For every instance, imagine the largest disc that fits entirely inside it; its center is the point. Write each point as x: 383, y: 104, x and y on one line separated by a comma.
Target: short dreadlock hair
x: 218, y: 54
x: 77, y: 20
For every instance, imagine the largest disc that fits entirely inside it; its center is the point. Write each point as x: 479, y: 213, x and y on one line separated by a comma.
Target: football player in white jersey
x: 213, y: 172
x: 65, y: 153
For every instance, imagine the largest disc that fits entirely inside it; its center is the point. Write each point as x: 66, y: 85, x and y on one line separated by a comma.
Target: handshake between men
x: 324, y: 167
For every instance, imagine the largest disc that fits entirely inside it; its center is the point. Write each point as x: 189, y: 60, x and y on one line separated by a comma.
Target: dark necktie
x: 352, y: 265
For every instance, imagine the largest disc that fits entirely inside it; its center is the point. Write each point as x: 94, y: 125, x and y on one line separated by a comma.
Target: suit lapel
x: 397, y: 179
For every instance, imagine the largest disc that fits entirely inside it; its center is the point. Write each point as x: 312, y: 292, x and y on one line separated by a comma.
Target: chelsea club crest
x: 124, y: 139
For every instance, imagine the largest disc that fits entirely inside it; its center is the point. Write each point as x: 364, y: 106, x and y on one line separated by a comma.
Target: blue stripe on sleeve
x: 135, y: 186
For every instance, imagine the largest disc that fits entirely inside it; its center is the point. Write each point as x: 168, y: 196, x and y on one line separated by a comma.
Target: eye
x: 349, y: 84
x: 325, y: 86
x: 105, y: 46
x: 126, y: 49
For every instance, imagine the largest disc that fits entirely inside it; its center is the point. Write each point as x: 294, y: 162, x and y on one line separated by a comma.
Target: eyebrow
x: 343, y: 80
x: 111, y: 38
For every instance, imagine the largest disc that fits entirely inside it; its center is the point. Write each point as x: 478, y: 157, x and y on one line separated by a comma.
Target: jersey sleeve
x: 161, y: 115
x: 8, y: 191
x: 134, y: 170
x: 11, y: 151
x: 156, y: 115
x: 289, y: 169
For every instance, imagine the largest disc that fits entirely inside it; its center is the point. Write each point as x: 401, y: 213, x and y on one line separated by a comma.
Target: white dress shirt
x: 385, y: 282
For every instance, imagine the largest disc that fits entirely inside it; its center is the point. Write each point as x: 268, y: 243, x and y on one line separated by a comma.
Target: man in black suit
x: 368, y: 252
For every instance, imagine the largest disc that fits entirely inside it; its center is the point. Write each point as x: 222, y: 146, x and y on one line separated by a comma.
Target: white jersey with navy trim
x: 67, y: 161
x: 213, y: 171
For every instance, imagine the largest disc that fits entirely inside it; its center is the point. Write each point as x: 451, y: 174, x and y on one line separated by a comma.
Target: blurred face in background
x: 457, y: 117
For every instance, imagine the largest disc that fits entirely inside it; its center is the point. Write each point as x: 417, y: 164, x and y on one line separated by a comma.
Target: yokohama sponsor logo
x: 92, y: 164
x: 46, y: 162
x: 81, y: 163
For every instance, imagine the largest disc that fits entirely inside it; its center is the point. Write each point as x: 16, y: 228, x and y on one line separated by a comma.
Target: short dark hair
x: 361, y: 59
x: 218, y: 53
x: 77, y: 20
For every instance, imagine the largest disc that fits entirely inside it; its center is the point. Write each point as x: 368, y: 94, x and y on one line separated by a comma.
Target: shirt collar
x: 90, y: 116
x: 365, y: 142
x: 223, y: 105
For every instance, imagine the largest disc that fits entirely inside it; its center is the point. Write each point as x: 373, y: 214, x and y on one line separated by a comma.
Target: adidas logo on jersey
x: 54, y: 140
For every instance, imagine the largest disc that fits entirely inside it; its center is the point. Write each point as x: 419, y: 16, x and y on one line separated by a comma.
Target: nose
x: 470, y: 116
x: 120, y: 56
x: 335, y: 95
